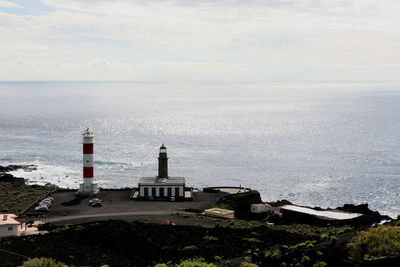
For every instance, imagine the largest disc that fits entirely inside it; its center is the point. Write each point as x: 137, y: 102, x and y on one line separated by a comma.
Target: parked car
x: 45, y: 204
x: 97, y: 204
x: 42, y: 208
x: 94, y: 200
x: 167, y: 222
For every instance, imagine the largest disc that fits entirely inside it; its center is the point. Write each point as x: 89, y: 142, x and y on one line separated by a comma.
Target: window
x: 146, y: 191
x: 169, y: 192
x: 10, y: 228
x: 153, y: 191
x: 177, y: 191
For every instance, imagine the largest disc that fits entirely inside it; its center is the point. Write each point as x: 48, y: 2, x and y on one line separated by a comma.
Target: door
x: 161, y: 191
x: 177, y: 192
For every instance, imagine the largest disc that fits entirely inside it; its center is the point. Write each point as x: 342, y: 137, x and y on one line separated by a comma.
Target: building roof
x: 161, y: 181
x: 272, y: 208
x: 217, y: 212
x: 9, y: 219
x: 326, y: 214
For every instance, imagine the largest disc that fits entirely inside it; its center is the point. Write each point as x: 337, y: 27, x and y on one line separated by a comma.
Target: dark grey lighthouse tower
x: 163, y: 187
x: 163, y: 162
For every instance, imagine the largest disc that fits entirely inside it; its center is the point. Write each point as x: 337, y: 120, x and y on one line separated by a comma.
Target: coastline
x: 128, y: 224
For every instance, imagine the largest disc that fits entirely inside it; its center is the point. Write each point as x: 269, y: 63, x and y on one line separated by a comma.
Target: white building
x: 258, y: 208
x: 162, y: 186
x: 8, y: 225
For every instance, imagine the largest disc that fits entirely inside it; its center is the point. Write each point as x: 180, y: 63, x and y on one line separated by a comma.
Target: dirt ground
x: 16, y: 198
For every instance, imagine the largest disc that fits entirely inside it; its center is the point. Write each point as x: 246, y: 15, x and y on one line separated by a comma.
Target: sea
x: 313, y: 143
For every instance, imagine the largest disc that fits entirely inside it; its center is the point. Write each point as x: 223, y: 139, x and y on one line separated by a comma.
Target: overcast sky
x: 200, y: 40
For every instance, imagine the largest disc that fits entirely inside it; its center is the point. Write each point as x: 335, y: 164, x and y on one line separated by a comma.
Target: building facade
x: 162, y: 186
x: 8, y: 225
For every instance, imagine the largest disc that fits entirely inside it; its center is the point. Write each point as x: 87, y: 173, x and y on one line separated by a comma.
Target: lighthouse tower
x: 163, y: 186
x: 88, y: 187
x: 163, y: 163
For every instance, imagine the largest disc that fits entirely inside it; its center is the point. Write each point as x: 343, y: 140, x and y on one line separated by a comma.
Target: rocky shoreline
x: 6, y: 177
x: 240, y: 203
x: 11, y: 168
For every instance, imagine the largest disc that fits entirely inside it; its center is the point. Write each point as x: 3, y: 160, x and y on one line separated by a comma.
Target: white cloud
x: 239, y: 39
x: 9, y: 4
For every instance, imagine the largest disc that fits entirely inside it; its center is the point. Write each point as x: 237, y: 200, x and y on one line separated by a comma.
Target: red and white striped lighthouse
x: 88, y: 186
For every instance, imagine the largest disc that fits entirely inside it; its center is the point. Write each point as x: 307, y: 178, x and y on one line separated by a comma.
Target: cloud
x: 9, y: 4
x: 177, y: 38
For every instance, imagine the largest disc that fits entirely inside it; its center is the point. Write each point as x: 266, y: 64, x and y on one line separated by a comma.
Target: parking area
x: 68, y: 206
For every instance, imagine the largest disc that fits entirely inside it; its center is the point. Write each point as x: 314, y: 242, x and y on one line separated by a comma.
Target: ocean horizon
x: 313, y: 143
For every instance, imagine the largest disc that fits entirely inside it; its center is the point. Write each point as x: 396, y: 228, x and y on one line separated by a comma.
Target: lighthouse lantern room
x: 88, y: 187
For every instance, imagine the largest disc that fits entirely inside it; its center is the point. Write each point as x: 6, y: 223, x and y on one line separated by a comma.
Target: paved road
x: 101, y: 215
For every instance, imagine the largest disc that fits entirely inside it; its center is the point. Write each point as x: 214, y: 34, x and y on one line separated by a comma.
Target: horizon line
x: 202, y: 81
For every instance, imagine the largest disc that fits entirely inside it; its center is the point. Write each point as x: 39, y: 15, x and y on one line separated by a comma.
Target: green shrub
x: 320, y: 264
x: 305, y: 259
x: 306, y: 244
x: 247, y: 264
x: 217, y: 258
x: 190, y: 248
x: 380, y: 241
x: 195, y: 263
x: 324, y: 236
x: 42, y: 262
x: 273, y: 255
x: 252, y: 240
x: 210, y: 238
x: 344, y: 230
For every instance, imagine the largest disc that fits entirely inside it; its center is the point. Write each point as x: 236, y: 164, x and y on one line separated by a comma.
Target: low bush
x: 381, y: 241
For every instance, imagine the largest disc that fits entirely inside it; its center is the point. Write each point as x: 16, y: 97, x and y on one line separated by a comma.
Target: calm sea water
x: 318, y: 144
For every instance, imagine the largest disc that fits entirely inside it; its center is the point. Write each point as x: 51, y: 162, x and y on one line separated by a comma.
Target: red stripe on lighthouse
x: 87, y: 148
x: 88, y: 172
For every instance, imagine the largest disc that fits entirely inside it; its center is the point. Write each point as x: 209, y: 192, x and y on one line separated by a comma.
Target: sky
x: 200, y: 40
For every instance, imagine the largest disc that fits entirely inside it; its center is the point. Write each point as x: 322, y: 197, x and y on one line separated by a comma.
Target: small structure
x: 162, y: 186
x: 88, y: 187
x: 273, y: 210
x: 258, y: 208
x: 220, y: 213
x: 8, y: 225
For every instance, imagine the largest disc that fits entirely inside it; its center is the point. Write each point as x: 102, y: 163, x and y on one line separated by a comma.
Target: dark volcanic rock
x: 280, y: 203
x: 369, y: 217
x: 11, y: 168
x: 240, y: 203
x: 120, y: 243
x: 6, y: 177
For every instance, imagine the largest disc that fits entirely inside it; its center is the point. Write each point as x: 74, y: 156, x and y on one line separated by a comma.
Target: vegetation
x: 274, y: 246
x: 16, y: 198
x: 381, y: 241
x: 188, y: 263
x: 247, y: 264
x: 43, y: 262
